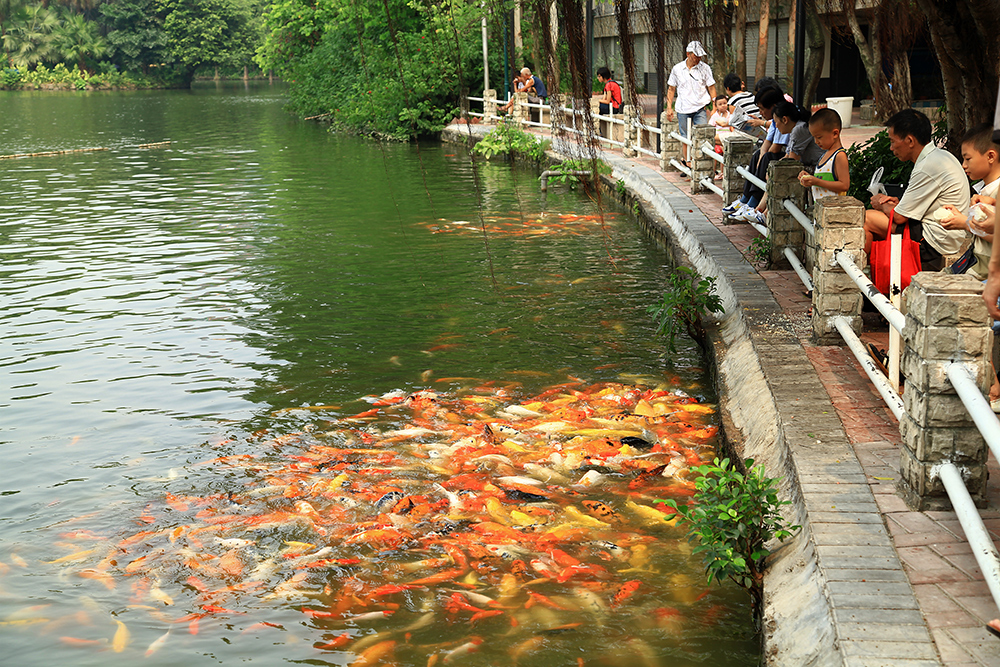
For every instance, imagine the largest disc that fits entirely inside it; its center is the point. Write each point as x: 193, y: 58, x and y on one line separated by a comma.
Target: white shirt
x: 692, y: 86
x: 937, y: 179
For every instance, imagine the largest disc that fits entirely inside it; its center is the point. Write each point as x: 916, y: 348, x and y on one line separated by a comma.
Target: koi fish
x: 468, y: 647
x: 121, y: 638
x: 157, y: 644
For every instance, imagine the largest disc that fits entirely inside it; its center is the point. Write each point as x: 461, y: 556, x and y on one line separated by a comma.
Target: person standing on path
x: 691, y: 81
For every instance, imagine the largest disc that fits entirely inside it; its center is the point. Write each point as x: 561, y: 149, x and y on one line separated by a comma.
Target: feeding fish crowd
x: 564, y: 224
x: 467, y: 527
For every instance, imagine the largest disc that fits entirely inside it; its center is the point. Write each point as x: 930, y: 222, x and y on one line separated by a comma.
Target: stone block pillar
x: 702, y: 166
x: 946, y: 321
x: 782, y: 184
x: 670, y: 148
x: 736, y: 151
x: 630, y: 114
x: 489, y: 106
x: 519, y: 112
x: 839, y: 228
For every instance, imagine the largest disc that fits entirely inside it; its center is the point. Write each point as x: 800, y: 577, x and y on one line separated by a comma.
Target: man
x: 937, y: 179
x: 534, y: 83
x: 694, y: 86
x: 521, y: 84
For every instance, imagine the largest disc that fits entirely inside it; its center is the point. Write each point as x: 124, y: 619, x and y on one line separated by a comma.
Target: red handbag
x: 879, y: 259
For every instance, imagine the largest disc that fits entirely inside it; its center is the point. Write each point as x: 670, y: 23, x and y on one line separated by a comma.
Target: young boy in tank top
x: 832, y: 175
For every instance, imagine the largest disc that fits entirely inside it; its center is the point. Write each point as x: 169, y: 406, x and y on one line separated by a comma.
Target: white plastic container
x: 843, y: 106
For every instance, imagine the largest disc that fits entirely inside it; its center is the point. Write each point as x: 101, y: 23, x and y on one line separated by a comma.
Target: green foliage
x: 565, y: 170
x: 759, y: 250
x: 207, y: 32
x: 10, y: 78
x: 732, y: 517
x: 620, y: 187
x: 864, y: 159
x: 135, y: 34
x: 688, y: 297
x: 398, y: 79
x: 511, y: 141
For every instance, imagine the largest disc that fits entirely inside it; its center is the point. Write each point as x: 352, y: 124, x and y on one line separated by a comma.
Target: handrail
x: 877, y: 299
x: 707, y: 182
x: 681, y: 139
x: 742, y: 171
x: 679, y: 167
x: 972, y: 525
x: 888, y: 394
x: 709, y: 150
x: 800, y: 270
x: 801, y: 217
x: 475, y: 99
x: 979, y: 408
x: 764, y: 231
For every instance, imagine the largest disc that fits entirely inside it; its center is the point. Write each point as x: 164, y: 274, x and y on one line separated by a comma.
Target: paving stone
x: 869, y: 661
x: 951, y: 651
x: 870, y: 588
x: 889, y: 616
x: 863, y: 575
x: 861, y: 552
x: 980, y: 643
x: 856, y: 601
x: 860, y: 563
x: 888, y: 649
x: 883, y: 632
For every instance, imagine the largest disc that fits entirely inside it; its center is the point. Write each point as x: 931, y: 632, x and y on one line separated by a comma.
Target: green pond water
x: 169, y: 315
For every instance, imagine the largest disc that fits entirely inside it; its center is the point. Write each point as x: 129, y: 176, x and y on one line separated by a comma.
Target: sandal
x: 881, y: 359
x: 993, y: 631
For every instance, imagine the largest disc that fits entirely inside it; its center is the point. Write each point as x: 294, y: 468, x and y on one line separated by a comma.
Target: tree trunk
x: 790, y: 60
x: 740, y: 39
x: 870, y: 56
x: 816, y: 41
x: 216, y: 72
x: 246, y: 76
x: 722, y: 40
x: 765, y: 22
x: 964, y: 35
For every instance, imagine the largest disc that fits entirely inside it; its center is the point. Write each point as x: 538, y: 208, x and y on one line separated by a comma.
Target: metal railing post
x: 945, y: 322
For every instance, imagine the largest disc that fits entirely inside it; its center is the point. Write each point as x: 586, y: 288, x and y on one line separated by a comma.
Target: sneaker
x: 758, y: 217
x: 732, y: 208
x: 744, y: 214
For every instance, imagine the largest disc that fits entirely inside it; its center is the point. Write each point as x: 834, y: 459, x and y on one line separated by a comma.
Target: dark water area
x: 190, y: 332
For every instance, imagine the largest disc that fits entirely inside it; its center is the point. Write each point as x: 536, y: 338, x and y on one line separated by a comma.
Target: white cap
x: 696, y: 48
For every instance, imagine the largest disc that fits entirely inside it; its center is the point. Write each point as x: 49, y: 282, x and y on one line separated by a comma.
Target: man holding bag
x: 937, y: 179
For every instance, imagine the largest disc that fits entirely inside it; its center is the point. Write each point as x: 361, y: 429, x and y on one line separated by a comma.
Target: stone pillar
x: 839, y: 229
x: 519, y: 112
x: 595, y: 109
x: 946, y: 321
x: 782, y: 184
x: 489, y: 106
x: 702, y: 166
x: 670, y: 148
x: 736, y: 151
x: 630, y: 114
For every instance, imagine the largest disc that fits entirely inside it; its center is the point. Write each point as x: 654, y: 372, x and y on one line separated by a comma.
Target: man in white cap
x: 692, y: 82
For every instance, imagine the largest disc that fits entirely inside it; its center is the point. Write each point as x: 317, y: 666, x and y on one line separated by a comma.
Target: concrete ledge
x: 839, y: 576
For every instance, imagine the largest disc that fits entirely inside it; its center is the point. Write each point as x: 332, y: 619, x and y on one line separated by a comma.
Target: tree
x: 76, y: 39
x: 763, y: 27
x: 135, y: 34
x: 966, y: 39
x: 205, y: 32
x: 27, y: 37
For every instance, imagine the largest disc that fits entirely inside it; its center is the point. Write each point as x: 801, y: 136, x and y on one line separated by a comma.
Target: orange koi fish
x: 626, y: 591
x: 335, y: 643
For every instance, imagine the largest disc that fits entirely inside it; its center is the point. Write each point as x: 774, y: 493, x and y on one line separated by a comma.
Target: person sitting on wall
x: 520, y: 84
x: 535, y: 88
x: 937, y: 180
x: 611, y: 99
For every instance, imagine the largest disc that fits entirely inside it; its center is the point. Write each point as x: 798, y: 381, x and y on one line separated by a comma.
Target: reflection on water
x: 164, y: 307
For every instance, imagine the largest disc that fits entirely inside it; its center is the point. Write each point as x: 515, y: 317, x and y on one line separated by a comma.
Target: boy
x: 741, y: 104
x: 832, y: 175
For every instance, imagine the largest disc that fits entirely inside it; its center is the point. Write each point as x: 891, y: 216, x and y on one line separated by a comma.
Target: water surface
x: 165, y: 307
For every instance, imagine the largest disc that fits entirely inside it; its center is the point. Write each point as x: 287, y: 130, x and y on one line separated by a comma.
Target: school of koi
x: 520, y: 521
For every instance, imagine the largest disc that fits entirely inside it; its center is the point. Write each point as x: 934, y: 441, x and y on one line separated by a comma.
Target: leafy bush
x: 566, y: 168
x: 759, y: 251
x: 864, y: 159
x: 732, y: 516
x: 10, y: 78
x: 687, y: 298
x: 510, y: 140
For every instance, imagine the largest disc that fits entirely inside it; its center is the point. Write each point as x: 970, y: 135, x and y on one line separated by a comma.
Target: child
x: 741, y: 104
x: 790, y: 120
x: 720, y: 114
x: 832, y: 175
x: 981, y: 161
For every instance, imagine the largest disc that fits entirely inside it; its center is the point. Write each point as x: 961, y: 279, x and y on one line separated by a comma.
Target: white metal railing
x: 707, y: 183
x: 880, y: 381
x: 799, y: 216
x: 877, y: 299
x: 745, y: 173
x: 709, y: 150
